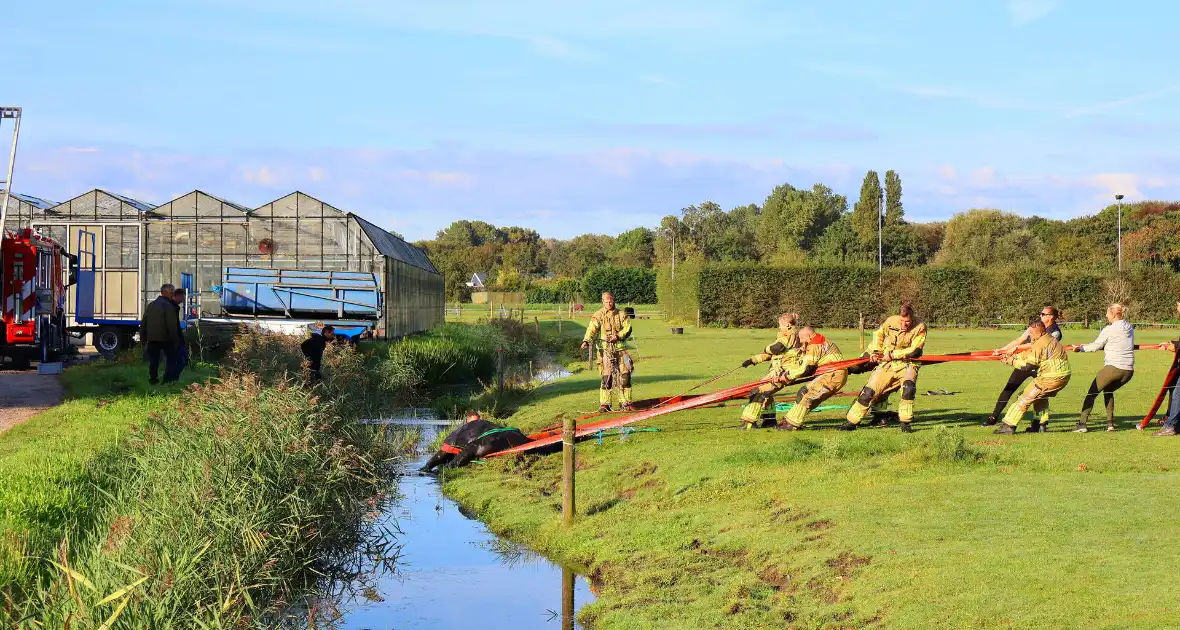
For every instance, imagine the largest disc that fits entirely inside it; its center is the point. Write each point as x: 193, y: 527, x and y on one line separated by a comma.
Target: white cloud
x: 1137, y: 98
x: 81, y: 149
x: 315, y: 173
x: 558, y: 194
x: 437, y: 178
x: 1131, y: 185
x: 1027, y: 11
x: 261, y: 175
x: 651, y: 78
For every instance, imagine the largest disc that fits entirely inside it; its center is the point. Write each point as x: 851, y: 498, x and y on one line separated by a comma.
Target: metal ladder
x: 6, y: 183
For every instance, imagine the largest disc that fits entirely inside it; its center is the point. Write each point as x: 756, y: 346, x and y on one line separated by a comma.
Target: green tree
x: 989, y: 237
x: 633, y: 248
x: 894, y: 213
x: 866, y: 215
x: 793, y: 220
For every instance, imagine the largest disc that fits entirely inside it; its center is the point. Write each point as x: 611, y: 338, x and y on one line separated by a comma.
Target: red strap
x: 447, y: 448
x: 1169, y: 382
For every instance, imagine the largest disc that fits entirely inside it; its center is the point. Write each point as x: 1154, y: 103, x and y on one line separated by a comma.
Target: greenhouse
x: 22, y: 209
x: 139, y: 246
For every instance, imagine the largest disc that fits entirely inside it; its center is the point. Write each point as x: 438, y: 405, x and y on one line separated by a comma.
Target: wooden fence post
x: 567, y: 472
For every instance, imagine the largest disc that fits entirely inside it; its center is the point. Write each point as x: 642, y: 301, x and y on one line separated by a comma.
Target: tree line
x: 815, y: 225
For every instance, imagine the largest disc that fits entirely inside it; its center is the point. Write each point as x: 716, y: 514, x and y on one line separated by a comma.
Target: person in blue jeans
x: 1173, y: 417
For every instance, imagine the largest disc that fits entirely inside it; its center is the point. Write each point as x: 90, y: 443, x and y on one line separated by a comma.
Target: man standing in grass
x: 313, y: 350
x: 160, y: 333
x: 609, y: 328
x: 818, y: 351
x: 1051, y: 363
x: 895, y: 348
x: 783, y: 355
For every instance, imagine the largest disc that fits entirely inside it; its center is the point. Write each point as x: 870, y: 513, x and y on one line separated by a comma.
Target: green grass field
x: 703, y: 525
x: 44, y: 493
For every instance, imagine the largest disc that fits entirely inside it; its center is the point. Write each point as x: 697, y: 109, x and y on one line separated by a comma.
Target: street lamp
x: 880, y: 212
x: 1119, y: 199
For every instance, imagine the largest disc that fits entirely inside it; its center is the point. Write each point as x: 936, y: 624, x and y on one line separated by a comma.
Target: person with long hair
x: 1117, y: 341
x: 1048, y: 317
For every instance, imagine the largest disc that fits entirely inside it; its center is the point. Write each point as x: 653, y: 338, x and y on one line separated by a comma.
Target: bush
x: 231, y: 500
x: 560, y: 291
x: 751, y: 294
x: 679, y: 299
x: 629, y: 285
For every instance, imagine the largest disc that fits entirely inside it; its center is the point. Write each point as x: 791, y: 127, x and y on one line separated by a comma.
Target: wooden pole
x: 567, y: 599
x: 862, y: 332
x: 499, y: 372
x: 567, y: 472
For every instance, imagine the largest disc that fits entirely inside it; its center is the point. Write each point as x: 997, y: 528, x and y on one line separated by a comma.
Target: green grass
x: 703, y: 525
x: 210, y: 507
x: 44, y: 489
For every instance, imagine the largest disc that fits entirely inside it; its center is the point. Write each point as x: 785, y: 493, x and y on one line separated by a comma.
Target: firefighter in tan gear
x: 783, y: 354
x: 609, y: 328
x: 1052, y: 365
x: 896, y: 345
x: 816, y: 351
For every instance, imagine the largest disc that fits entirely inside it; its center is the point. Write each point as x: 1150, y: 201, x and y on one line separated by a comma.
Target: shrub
x: 751, y: 294
x: 629, y: 285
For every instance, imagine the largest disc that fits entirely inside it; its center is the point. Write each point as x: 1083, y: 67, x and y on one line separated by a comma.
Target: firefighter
x: 1051, y: 363
x: 817, y: 351
x: 783, y: 355
x: 896, y: 346
x: 609, y: 329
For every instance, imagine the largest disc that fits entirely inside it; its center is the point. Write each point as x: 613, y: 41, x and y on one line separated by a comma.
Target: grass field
x: 44, y: 493
x: 703, y: 525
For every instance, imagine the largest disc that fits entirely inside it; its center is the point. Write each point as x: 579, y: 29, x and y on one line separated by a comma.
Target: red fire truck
x: 36, y: 271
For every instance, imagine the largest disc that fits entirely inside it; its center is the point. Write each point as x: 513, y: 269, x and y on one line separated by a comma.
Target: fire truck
x: 36, y: 272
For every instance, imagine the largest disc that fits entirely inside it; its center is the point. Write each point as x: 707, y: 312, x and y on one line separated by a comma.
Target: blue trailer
x: 290, y: 301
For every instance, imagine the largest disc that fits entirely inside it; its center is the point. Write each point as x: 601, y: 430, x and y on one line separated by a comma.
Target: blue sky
x: 596, y: 116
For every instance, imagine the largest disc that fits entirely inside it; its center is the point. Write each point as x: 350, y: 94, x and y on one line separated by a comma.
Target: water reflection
x: 452, y: 573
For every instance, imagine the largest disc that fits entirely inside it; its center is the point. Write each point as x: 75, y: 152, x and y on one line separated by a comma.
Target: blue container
x: 298, y: 294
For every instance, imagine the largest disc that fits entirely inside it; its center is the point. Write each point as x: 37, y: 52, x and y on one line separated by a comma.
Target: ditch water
x: 451, y: 572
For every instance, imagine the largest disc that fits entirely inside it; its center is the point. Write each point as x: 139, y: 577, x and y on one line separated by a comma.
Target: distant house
x: 478, y: 281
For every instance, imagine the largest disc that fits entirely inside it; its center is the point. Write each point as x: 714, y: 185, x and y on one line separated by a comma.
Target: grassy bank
x: 207, y: 508
x: 45, y: 487
x: 703, y: 525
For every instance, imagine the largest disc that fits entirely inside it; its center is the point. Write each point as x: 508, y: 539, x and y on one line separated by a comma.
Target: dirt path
x: 25, y: 394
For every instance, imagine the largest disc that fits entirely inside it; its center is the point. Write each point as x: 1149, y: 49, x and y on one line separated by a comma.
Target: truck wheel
x: 110, y: 339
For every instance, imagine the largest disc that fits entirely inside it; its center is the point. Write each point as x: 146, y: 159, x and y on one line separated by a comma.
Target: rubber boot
x: 990, y: 422
x: 1005, y: 429
x: 604, y: 409
x: 847, y: 426
x: 906, y: 428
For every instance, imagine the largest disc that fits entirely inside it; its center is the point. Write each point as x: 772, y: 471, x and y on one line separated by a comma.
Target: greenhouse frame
x: 140, y: 246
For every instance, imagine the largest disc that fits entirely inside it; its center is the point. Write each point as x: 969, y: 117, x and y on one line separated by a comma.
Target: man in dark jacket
x: 313, y: 350
x: 178, y: 300
x: 160, y: 333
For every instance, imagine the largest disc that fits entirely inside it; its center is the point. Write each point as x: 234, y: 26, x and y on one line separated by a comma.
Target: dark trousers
x: 1018, y: 377
x: 170, y: 352
x: 181, y: 361
x: 1109, y: 380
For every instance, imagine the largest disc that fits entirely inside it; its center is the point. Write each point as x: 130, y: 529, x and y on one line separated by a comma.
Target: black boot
x: 787, y: 426
x: 847, y: 426
x: 990, y: 422
x: 768, y: 421
x: 1005, y: 429
x: 879, y: 418
x: 604, y: 409
x: 906, y: 428
x: 1035, y: 427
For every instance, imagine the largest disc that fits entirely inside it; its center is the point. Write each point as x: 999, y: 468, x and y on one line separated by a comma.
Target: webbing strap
x: 494, y: 431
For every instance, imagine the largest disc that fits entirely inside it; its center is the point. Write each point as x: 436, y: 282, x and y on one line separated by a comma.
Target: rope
x: 701, y: 384
x: 494, y: 431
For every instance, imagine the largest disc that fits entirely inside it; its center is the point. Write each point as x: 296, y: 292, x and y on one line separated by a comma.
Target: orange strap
x: 447, y: 448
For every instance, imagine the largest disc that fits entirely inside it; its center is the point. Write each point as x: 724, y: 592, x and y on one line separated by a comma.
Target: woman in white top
x: 1117, y: 341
